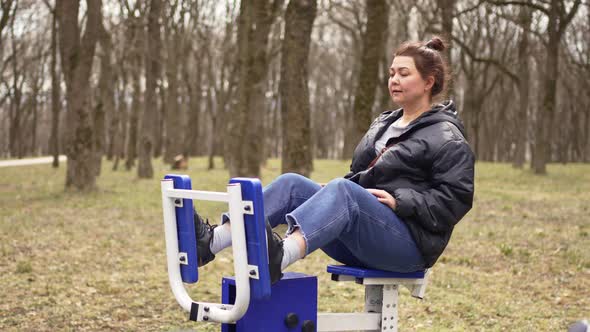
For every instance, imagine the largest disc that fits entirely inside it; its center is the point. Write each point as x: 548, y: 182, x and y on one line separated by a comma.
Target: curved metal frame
x: 216, y: 312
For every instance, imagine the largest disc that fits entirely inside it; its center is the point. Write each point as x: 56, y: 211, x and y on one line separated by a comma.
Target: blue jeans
x: 344, y: 220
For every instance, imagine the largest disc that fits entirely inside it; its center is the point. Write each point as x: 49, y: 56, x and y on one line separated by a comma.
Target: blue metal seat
x: 359, y: 272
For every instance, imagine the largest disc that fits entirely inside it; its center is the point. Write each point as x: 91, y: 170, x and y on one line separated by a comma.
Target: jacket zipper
x: 379, y: 155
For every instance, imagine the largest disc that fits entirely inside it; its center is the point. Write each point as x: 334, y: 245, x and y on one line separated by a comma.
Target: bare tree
x: 105, y: 103
x: 558, y: 18
x: 294, y: 94
x: 175, y: 41
x: 6, y: 6
x: 254, y: 23
x: 220, y: 72
x: 219, y: 91
x: 18, y: 80
x: 55, y: 89
x: 525, y: 18
x: 136, y: 42
x: 446, y: 8
x: 373, y: 48
x: 152, y: 72
x: 77, y: 53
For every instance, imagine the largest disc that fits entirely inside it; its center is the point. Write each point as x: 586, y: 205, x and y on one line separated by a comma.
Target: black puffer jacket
x: 429, y: 170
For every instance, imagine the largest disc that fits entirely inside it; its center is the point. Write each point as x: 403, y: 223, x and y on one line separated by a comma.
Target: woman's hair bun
x: 436, y: 44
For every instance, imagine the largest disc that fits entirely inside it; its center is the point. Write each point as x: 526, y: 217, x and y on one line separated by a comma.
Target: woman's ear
x: 429, y: 83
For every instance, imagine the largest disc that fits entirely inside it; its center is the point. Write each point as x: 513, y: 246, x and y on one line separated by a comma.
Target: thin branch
x: 48, y: 5
x: 564, y: 21
x: 470, y: 9
x: 520, y: 3
x: 494, y: 62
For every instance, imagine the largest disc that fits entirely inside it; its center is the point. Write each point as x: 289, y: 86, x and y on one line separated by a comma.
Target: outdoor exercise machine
x: 249, y: 302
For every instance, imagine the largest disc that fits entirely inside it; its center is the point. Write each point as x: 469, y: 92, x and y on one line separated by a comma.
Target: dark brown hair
x: 429, y: 60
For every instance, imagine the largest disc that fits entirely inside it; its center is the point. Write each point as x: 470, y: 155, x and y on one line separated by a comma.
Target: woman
x: 410, y: 182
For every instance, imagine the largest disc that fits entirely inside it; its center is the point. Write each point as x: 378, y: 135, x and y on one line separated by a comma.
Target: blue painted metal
x: 359, y: 272
x: 185, y: 225
x: 294, y: 293
x: 256, y: 236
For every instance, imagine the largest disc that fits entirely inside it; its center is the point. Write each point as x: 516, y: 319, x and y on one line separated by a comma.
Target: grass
x: 519, y: 261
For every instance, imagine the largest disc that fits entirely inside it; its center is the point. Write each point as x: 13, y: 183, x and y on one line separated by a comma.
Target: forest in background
x: 295, y: 80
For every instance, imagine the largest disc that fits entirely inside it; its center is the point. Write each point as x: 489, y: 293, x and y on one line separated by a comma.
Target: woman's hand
x: 384, y: 197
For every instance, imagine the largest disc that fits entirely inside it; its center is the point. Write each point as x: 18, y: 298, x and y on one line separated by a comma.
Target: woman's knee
x: 345, y: 188
x: 288, y: 181
x: 340, y: 184
x: 290, y: 178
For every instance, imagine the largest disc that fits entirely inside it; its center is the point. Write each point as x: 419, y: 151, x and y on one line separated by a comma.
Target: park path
x: 29, y: 161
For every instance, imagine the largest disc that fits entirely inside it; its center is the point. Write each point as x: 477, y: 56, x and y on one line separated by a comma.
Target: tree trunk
x: 557, y: 22
x: 121, y: 128
x: 523, y: 89
x: 131, y: 154
x: 346, y: 108
x: 254, y: 22
x: 214, y: 111
x: 161, y: 122
x: 192, y: 146
x: 447, y: 8
x: 34, y: 97
x: 105, y: 102
x: 113, y: 132
x: 152, y: 72
x: 14, y: 141
x: 294, y: 94
x: 173, y: 145
x: 76, y: 58
x: 373, y: 48
x: 55, y: 95
x: 135, y: 40
x: 546, y: 111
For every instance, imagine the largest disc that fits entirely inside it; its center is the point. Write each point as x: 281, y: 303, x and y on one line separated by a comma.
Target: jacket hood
x: 443, y: 112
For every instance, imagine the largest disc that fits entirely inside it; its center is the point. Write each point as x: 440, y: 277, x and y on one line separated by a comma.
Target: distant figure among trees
x: 410, y: 182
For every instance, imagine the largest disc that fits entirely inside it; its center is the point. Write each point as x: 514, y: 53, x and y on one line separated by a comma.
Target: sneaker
x: 204, y: 234
x: 275, y: 254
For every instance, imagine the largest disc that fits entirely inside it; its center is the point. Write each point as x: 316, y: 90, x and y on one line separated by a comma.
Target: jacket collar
x: 443, y: 112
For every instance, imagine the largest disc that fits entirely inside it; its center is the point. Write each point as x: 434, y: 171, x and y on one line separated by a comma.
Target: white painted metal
x: 208, y: 311
x: 183, y: 258
x: 197, y: 194
x: 253, y: 272
x: 373, y: 298
x: 170, y: 230
x: 381, y: 298
x: 392, y: 281
x: 240, y: 253
x: 368, y: 321
x: 389, y: 308
x: 342, y: 277
x: 419, y: 289
x: 248, y: 207
x: 178, y: 202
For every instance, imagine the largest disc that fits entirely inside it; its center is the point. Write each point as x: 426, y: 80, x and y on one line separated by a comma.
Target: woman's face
x: 406, y: 85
